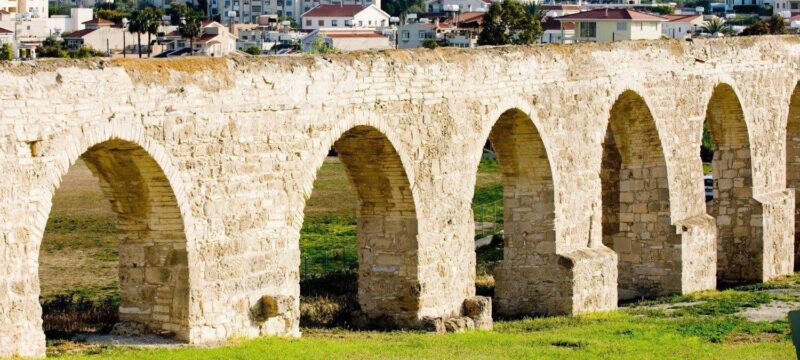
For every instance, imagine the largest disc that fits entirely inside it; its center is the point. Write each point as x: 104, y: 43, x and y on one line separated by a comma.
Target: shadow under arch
x: 153, y: 248
x: 636, y: 205
x: 530, y: 279
x: 387, y: 229
x: 739, y: 244
x: 793, y: 164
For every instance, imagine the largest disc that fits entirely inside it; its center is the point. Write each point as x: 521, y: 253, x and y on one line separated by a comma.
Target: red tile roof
x: 4, y: 31
x: 206, y: 38
x: 350, y: 34
x: 78, y: 34
x: 611, y: 14
x: 334, y: 11
x: 560, y: 7
x: 552, y: 24
x: 98, y: 21
x: 682, y: 18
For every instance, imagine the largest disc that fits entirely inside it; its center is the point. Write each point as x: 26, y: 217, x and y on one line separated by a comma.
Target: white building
x: 782, y: 7
x: 412, y: 35
x: 681, y: 26
x: 26, y: 8
x: 438, y: 6
x: 6, y: 36
x: 215, y: 40
x: 344, y: 16
x: 554, y: 31
x: 606, y: 25
x: 247, y: 11
x: 348, y: 39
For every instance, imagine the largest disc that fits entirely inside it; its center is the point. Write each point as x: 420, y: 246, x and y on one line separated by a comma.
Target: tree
x: 176, y: 12
x: 136, y: 25
x: 777, y: 25
x: 403, y: 7
x: 320, y: 46
x: 6, y: 53
x: 430, y: 44
x: 190, y: 28
x: 535, y: 10
x: 716, y: 26
x: 151, y: 20
x: 253, y: 50
x: 509, y: 23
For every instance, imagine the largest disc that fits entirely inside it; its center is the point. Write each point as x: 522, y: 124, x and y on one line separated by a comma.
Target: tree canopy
x: 403, y: 7
x: 776, y: 25
x: 509, y: 23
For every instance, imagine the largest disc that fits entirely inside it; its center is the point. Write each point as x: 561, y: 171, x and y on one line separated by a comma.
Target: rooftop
x: 682, y: 18
x: 611, y: 14
x: 98, y: 21
x: 78, y: 34
x: 334, y: 11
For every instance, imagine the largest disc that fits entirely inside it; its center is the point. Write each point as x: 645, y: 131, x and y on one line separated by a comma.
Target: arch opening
x: 739, y: 248
x: 636, y: 211
x: 528, y: 279
x: 793, y: 164
x: 139, y: 231
x: 383, y: 288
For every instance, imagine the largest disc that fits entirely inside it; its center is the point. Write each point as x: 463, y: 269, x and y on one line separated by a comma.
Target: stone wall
x: 210, y: 161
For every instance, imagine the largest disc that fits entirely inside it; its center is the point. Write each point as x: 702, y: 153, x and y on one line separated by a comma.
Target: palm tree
x: 535, y: 10
x: 715, y: 25
x: 136, y: 25
x: 152, y: 19
x: 190, y: 28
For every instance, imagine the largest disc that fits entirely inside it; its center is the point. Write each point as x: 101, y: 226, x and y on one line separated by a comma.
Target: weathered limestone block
x: 479, y: 309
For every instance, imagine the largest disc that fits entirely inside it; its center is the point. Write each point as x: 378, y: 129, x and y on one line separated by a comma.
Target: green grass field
x: 80, y: 237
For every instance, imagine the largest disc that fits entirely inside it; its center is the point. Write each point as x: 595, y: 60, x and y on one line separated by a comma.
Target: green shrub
x: 6, y: 52
x: 252, y: 50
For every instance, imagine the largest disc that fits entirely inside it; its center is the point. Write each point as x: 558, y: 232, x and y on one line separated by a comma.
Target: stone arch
x: 636, y: 209
x: 739, y: 244
x: 793, y: 164
x: 388, y: 283
x: 528, y: 278
x: 137, y: 178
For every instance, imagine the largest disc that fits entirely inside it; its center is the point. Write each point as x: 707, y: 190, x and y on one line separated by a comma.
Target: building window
x: 405, y: 35
x: 360, y: 23
x: 621, y: 26
x: 288, y: 2
x: 588, y: 29
x: 289, y: 13
x: 256, y: 8
x: 321, y: 23
x: 308, y: 22
x: 794, y: 6
x: 425, y: 35
x: 306, y: 9
x: 334, y: 22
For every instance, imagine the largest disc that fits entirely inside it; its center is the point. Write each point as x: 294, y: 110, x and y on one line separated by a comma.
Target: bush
x: 430, y: 44
x: 66, y: 314
x: 253, y: 50
x: 6, y: 53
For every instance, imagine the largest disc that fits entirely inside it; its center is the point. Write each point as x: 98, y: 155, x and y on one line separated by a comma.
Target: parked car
x: 708, y: 182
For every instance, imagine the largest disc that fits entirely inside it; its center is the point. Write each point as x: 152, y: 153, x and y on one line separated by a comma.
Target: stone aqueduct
x: 208, y: 163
